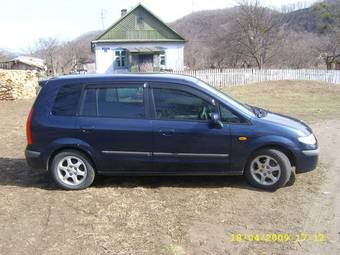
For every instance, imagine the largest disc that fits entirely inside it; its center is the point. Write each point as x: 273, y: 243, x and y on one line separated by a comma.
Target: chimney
x: 123, y: 12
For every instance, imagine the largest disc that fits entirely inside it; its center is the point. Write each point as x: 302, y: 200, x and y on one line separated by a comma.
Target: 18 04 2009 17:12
x: 276, y: 237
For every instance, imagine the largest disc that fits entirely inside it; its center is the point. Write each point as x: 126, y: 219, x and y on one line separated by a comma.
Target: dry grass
x: 310, y: 101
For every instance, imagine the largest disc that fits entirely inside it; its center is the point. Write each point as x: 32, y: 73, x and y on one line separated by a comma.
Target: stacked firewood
x: 17, y: 84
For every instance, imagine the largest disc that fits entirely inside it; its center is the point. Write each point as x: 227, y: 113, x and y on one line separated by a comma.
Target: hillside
x: 6, y: 54
x: 306, y: 20
x: 207, y: 36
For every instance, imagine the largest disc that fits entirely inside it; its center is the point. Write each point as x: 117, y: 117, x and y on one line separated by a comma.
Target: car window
x: 67, y: 100
x: 228, y: 116
x: 172, y: 104
x: 114, y: 102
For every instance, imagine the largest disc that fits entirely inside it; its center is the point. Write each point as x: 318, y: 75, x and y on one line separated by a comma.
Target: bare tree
x: 222, y: 49
x: 298, y: 51
x: 47, y: 49
x: 256, y: 33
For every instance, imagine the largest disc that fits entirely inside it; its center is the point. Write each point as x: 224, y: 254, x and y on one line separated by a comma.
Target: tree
x: 255, y: 33
x: 47, y: 49
x: 298, y: 51
x: 329, y: 48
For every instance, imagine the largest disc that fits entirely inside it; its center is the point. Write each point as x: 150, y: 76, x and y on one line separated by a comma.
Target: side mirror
x: 215, y: 120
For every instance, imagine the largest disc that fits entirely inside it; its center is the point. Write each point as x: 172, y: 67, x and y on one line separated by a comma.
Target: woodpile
x: 17, y: 84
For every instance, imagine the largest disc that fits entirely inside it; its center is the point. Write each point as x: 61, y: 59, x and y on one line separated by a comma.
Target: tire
x: 72, y: 170
x: 292, y: 178
x: 268, y: 169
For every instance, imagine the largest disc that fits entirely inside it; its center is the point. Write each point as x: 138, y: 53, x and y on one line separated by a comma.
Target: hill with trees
x: 239, y: 36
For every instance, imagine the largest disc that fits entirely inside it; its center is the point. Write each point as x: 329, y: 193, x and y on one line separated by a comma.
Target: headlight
x: 308, y: 139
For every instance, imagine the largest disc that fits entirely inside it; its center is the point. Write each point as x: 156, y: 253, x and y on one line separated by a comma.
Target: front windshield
x: 230, y: 101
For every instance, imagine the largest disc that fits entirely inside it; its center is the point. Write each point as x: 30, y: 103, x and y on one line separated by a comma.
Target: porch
x: 141, y: 59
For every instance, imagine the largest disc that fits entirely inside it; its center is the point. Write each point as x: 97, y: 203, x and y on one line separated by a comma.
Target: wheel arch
x: 73, y: 148
x: 278, y: 147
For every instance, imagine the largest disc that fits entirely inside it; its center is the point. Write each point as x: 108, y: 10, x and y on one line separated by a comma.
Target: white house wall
x: 174, y: 54
x: 104, y: 60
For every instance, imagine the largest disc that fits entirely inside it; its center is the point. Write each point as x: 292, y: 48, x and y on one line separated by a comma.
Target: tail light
x: 28, y: 128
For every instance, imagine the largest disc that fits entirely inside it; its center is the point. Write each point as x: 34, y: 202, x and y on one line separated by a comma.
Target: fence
x: 230, y: 77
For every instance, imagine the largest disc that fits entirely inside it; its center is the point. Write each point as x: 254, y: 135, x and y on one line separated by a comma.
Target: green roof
x: 139, y: 25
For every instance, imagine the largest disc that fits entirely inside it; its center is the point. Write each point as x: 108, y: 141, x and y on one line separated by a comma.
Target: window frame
x: 118, y: 84
x: 140, y: 21
x: 162, y: 55
x: 183, y: 88
x: 120, y: 57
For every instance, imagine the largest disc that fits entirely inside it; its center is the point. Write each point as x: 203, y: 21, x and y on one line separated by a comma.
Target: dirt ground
x: 163, y: 215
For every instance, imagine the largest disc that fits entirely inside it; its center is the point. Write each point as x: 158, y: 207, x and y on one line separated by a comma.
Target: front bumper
x: 34, y: 159
x: 306, y: 160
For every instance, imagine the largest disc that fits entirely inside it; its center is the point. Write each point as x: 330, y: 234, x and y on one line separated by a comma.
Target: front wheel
x: 268, y: 169
x: 72, y: 170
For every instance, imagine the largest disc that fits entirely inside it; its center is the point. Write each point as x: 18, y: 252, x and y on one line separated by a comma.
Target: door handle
x: 87, y: 129
x: 167, y: 132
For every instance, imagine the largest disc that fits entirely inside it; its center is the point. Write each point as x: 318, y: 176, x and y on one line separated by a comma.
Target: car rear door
x: 183, y: 138
x: 113, y: 120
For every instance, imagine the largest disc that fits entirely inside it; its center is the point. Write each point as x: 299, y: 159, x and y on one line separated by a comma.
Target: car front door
x: 113, y: 121
x: 184, y: 139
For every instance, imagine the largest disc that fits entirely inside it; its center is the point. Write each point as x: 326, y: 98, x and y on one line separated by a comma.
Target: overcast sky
x: 22, y: 22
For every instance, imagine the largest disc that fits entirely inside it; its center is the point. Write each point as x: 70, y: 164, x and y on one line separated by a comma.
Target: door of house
x: 145, y: 63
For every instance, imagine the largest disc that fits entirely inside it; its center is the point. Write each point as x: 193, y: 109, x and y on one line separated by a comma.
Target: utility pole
x: 103, y: 17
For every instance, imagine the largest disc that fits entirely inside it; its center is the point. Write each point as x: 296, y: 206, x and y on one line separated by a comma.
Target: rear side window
x: 67, y: 100
x: 114, y: 102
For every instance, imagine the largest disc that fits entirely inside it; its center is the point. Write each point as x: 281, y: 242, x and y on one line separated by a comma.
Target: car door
x: 113, y: 121
x: 184, y: 139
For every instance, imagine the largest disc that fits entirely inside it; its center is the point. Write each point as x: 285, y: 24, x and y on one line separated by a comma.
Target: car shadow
x: 16, y: 172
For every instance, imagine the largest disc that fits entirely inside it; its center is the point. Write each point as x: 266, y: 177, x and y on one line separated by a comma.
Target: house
x: 24, y: 63
x: 138, y: 42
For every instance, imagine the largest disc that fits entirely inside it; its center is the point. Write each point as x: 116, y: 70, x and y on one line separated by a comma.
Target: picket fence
x: 231, y: 77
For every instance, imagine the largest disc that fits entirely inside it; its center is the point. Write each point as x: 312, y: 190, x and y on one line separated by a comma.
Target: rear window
x: 67, y: 100
x: 114, y: 102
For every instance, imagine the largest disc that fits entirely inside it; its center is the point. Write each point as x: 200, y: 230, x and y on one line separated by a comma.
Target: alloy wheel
x: 265, y: 170
x: 72, y: 170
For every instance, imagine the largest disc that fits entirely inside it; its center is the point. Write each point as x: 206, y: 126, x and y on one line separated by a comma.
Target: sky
x: 23, y: 22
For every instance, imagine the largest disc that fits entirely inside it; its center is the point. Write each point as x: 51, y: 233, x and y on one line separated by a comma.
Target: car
x: 160, y: 124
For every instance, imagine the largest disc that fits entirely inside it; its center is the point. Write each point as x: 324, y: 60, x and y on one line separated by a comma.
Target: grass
x: 310, y: 101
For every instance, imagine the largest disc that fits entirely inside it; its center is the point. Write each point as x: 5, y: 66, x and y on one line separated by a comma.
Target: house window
x: 162, y: 59
x: 140, y: 20
x: 120, y: 58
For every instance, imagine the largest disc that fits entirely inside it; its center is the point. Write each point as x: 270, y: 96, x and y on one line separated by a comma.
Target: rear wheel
x: 72, y: 170
x: 268, y: 169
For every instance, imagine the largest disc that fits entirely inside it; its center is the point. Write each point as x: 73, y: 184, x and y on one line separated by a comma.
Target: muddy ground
x: 163, y: 215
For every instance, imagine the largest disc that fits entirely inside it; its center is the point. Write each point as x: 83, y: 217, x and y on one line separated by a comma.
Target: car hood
x: 287, y: 121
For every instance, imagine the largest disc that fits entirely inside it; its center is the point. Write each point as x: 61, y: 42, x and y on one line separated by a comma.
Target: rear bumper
x: 34, y: 159
x: 306, y: 160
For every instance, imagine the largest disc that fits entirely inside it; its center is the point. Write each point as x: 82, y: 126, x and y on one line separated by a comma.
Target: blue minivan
x: 160, y: 124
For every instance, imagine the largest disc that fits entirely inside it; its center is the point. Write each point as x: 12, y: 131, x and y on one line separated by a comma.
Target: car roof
x: 123, y: 77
